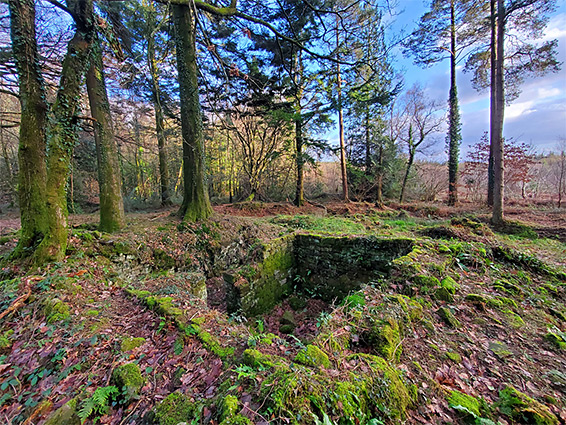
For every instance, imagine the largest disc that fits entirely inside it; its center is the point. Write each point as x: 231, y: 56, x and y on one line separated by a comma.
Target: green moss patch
x: 311, y: 355
x: 464, y: 403
x: 523, y: 408
x: 129, y: 380
x: 174, y: 409
x: 130, y: 343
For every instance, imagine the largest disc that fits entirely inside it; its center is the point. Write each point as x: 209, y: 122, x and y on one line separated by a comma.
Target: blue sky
x: 537, y: 117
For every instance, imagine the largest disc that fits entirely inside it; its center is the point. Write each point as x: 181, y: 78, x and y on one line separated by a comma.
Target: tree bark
x: 159, y: 123
x: 299, y: 193
x: 493, y: 97
x: 31, y: 151
x: 196, y: 204
x: 63, y: 133
x: 406, y: 177
x: 454, y: 125
x: 109, y: 175
x: 498, y: 190
x: 345, y: 196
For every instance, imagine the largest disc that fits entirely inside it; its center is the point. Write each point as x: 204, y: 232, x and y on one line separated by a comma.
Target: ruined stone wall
x: 332, y: 266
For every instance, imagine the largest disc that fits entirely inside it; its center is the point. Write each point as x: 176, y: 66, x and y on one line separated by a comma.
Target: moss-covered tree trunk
x: 492, y: 105
x: 63, y: 132
x: 497, y: 139
x: 31, y: 151
x: 159, y: 122
x: 109, y: 175
x: 196, y: 204
x: 410, y: 160
x: 454, y: 126
x: 300, y: 186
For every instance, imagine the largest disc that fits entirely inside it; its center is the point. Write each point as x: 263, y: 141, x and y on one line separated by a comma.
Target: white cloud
x: 545, y: 92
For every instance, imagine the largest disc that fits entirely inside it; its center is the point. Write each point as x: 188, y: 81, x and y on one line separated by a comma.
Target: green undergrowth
x: 321, y: 224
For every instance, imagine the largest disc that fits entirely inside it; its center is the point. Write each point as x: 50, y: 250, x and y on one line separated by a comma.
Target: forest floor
x: 467, y: 327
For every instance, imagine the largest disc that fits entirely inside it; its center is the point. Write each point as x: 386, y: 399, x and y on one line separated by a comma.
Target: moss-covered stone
x: 556, y: 338
x: 65, y: 415
x: 464, y: 403
x: 448, y: 317
x: 130, y: 343
x: 426, y: 282
x: 311, y: 355
x: 455, y: 357
x: 174, y: 409
x: 56, y: 311
x: 5, y: 339
x: 450, y: 285
x: 443, y: 294
x: 230, y: 407
x: 129, y: 380
x: 385, y: 337
x: 257, y: 359
x: 500, y: 349
x: 513, y: 319
x: 523, y: 408
x: 212, y: 344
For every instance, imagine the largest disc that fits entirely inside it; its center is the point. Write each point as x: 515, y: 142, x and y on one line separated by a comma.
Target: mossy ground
x: 391, y: 356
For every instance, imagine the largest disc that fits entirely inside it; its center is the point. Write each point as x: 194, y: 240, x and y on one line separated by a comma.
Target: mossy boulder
x: 129, y: 380
x: 464, y: 403
x: 65, y: 415
x: 556, y: 337
x: 443, y: 294
x: 455, y: 357
x: 450, y: 285
x: 130, y: 343
x: 373, y: 389
x: 500, y: 349
x: 448, y: 317
x: 385, y: 337
x: 524, y: 409
x: 257, y: 359
x: 311, y: 355
x: 230, y: 406
x: 6, y: 340
x: 425, y: 282
x: 513, y: 319
x: 174, y: 409
x: 56, y: 310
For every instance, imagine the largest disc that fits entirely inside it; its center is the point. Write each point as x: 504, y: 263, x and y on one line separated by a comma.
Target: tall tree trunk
x: 345, y: 196
x: 497, y: 209
x: 367, y: 143
x: 299, y: 193
x: 63, y: 132
x: 159, y: 122
x: 493, y: 101
x: 406, y: 177
x: 454, y: 125
x: 31, y: 152
x: 109, y: 175
x: 196, y: 204
x: 379, y: 183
